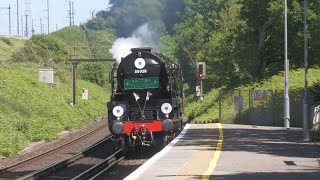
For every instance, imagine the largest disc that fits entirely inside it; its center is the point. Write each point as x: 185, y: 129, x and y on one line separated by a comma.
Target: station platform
x: 229, y: 151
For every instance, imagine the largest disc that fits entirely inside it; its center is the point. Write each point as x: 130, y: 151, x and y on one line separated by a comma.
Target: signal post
x: 201, y: 74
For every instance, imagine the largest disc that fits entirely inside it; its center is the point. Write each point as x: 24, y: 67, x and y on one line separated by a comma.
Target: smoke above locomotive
x: 143, y: 36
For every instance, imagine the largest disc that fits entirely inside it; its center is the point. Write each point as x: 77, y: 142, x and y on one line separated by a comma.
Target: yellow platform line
x: 214, y: 160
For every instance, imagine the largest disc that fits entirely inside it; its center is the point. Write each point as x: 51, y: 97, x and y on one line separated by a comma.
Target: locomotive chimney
x: 141, y: 49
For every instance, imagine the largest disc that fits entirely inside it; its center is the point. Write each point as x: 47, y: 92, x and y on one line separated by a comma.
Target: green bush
x: 55, y: 49
x: 315, y: 93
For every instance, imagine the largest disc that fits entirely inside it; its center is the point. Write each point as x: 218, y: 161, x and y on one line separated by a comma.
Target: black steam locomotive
x: 146, y: 100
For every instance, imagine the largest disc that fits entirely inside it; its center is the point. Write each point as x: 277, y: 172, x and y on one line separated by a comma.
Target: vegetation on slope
x: 32, y: 111
x: 8, y: 47
x: 54, y: 51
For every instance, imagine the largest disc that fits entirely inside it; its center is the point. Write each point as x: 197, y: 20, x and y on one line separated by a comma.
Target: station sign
x: 260, y: 95
x: 46, y: 75
x: 85, y: 94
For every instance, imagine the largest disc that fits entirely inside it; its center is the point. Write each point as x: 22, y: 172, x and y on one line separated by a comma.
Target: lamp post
x: 18, y: 17
x: 305, y: 98
x: 9, y: 8
x: 286, y: 69
x: 48, y: 17
x: 9, y: 20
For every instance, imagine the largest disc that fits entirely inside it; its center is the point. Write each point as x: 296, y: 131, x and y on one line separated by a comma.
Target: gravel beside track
x: 96, y: 156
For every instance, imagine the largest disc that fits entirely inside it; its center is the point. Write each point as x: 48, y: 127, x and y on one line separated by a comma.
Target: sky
x: 59, y: 13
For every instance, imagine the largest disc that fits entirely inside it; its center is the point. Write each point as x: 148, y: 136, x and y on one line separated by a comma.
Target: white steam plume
x: 121, y: 47
x: 141, y: 37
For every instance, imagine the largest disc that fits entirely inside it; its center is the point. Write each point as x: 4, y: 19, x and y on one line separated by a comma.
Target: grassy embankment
x: 32, y: 111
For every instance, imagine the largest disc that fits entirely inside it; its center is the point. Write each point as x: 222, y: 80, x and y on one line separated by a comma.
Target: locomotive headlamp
x: 139, y: 63
x: 166, y: 108
x: 118, y: 111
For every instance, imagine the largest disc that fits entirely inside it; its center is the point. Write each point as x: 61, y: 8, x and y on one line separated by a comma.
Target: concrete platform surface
x: 228, y: 151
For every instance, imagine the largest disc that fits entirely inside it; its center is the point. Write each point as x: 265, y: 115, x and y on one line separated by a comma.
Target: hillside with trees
x: 240, y: 40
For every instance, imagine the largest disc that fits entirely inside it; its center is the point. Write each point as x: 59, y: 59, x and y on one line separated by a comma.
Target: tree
x: 223, y: 51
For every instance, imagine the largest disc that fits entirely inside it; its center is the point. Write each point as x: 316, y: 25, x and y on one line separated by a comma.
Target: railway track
x: 69, y: 168
x: 34, y: 159
x: 87, y: 164
x: 64, y: 168
x: 102, y: 167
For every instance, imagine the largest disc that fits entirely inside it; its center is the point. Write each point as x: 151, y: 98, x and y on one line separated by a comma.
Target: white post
x: 286, y: 69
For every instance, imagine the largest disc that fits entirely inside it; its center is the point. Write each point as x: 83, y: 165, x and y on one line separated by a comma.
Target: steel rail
x: 56, y: 166
x: 18, y: 164
x: 101, y: 167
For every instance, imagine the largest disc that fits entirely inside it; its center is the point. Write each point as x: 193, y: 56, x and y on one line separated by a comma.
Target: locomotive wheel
x: 172, y: 136
x: 165, y: 141
x: 169, y: 136
x: 123, y: 146
x: 153, y: 141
